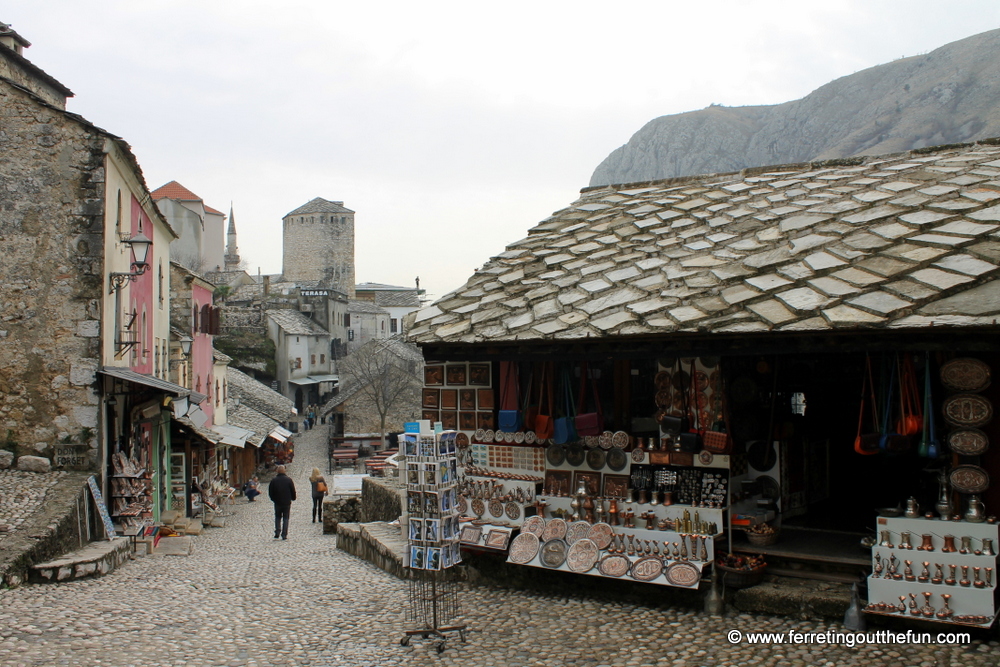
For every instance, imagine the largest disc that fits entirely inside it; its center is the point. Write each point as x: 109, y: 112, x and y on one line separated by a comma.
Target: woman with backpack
x: 319, y: 490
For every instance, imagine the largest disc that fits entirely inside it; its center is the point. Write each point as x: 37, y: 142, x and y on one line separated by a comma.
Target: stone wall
x: 51, y: 278
x: 381, y: 499
x: 320, y: 247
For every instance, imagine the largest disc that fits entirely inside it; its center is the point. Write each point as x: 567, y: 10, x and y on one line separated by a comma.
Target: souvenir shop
x: 659, y: 460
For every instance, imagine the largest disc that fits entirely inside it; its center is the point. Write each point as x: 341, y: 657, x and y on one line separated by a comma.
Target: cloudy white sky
x: 450, y: 127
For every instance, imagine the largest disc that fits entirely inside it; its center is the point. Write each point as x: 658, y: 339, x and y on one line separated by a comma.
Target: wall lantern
x: 140, y: 248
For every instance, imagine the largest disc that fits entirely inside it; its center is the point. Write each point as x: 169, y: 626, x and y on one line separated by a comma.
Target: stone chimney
x: 20, y: 70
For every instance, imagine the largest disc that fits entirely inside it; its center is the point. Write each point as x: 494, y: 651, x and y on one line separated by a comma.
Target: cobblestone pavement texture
x: 245, y: 599
x: 22, y: 494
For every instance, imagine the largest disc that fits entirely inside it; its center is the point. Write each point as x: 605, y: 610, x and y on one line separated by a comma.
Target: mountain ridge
x: 950, y: 95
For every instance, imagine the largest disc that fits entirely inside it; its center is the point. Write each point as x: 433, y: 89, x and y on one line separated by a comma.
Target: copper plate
x: 595, y: 458
x: 582, y: 556
x: 604, y: 440
x: 705, y: 457
x: 590, y: 440
x: 555, y: 529
x: 663, y: 398
x: 614, y: 565
x: 533, y: 524
x: 463, y: 505
x: 575, y: 455
x: 683, y: 574
x: 462, y: 440
x: 965, y: 374
x: 478, y: 506
x: 701, y: 380
x: 577, y: 531
x: 513, y: 510
x: 646, y: 568
x: 619, y: 439
x: 555, y: 455
x: 617, y: 459
x: 968, y: 442
x: 553, y: 553
x: 662, y: 380
x: 488, y: 435
x: 479, y: 435
x: 496, y: 508
x: 523, y: 548
x: 967, y: 410
x: 969, y: 479
x: 638, y: 455
x: 519, y: 437
x: 601, y: 534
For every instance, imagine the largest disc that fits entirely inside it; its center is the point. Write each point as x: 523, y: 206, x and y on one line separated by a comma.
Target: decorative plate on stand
x: 647, y: 568
x: 488, y: 435
x: 530, y: 438
x: 967, y: 410
x: 604, y: 440
x: 614, y: 565
x: 519, y: 437
x: 600, y: 534
x: 969, y: 479
x: 617, y: 459
x: 555, y: 529
x: 619, y: 439
x: 575, y: 455
x: 683, y: 574
x: 478, y: 507
x: 965, y: 374
x: 968, y: 442
x: 638, y: 455
x: 577, y: 531
x: 462, y: 440
x: 553, y: 553
x: 595, y: 459
x: 582, y: 556
x: 555, y: 455
x: 513, y: 510
x: 523, y: 548
x: 463, y: 505
x: 534, y: 524
x: 479, y: 435
x: 496, y: 508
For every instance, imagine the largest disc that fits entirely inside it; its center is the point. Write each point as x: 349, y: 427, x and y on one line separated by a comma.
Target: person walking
x: 281, y: 491
x: 319, y: 491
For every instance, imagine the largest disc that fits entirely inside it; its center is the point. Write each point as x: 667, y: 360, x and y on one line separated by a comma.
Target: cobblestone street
x: 243, y: 598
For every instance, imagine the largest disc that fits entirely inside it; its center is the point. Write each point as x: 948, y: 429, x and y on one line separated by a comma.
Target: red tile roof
x: 209, y: 209
x: 174, y: 190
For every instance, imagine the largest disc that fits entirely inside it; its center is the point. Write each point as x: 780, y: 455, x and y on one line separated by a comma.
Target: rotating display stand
x: 433, y: 533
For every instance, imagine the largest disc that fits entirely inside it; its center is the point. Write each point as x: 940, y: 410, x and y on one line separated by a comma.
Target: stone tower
x: 319, y: 245
x: 232, y: 257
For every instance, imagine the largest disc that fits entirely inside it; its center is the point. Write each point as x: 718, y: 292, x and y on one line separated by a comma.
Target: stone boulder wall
x: 6, y: 459
x: 34, y: 464
x: 382, y: 499
x: 340, y: 510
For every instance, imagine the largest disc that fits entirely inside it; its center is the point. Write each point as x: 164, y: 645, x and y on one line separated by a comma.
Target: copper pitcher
x: 949, y: 544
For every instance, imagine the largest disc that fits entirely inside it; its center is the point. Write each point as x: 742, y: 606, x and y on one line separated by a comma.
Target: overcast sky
x: 450, y: 128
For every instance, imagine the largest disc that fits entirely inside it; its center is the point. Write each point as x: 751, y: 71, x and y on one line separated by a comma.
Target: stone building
x: 365, y: 322
x: 77, y: 296
x: 318, y: 245
x: 397, y: 301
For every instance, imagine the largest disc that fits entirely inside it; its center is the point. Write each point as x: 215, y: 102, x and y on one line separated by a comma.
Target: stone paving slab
x: 244, y: 599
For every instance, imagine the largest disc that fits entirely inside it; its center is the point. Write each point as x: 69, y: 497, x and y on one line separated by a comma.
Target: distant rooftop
x: 295, y: 323
x: 320, y: 205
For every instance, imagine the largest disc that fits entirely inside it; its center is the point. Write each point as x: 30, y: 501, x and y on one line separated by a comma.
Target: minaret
x: 232, y: 252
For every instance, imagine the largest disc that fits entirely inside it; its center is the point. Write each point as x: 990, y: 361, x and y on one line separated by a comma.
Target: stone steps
x: 377, y: 542
x: 94, y: 560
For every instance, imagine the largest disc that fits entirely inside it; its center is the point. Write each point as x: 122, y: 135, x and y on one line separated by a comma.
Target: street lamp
x: 185, y: 342
x: 140, y: 248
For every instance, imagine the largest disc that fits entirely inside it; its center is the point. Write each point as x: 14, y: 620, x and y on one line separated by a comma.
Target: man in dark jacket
x: 281, y: 490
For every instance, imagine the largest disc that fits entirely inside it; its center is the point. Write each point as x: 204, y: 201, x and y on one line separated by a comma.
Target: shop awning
x: 232, y: 435
x: 209, y: 436
x: 315, y: 379
x: 280, y: 434
x: 152, y: 382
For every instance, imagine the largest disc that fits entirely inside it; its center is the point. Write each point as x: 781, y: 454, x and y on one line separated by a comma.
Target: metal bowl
x: 890, y: 511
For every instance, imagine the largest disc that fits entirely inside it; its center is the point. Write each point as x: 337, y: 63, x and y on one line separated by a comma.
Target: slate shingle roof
x: 354, y: 306
x: 295, y: 323
x: 258, y: 396
x: 408, y: 299
x: 252, y: 420
x: 320, y: 205
x: 904, y: 240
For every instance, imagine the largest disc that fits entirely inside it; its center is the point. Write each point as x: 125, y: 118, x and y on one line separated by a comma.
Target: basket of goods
x: 740, y: 571
x: 762, y: 534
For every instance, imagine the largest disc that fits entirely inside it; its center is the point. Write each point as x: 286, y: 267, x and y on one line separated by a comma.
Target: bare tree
x: 383, y: 375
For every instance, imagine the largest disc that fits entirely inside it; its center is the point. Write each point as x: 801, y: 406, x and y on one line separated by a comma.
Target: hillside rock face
x: 950, y: 95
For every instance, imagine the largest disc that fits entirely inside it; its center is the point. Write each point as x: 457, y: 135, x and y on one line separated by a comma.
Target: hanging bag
x: 718, y: 440
x: 690, y: 440
x: 510, y: 417
x: 565, y: 429
x: 892, y: 441
x: 867, y: 444
x: 588, y: 423
x: 674, y: 424
x: 929, y: 445
x: 910, y: 420
x: 544, y: 427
